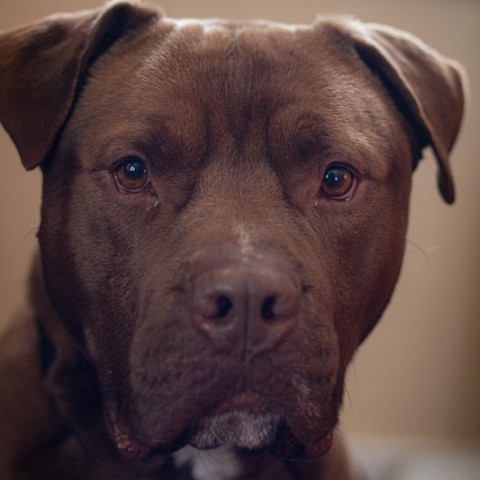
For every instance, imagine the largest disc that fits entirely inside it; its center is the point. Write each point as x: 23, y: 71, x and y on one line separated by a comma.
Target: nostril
x: 224, y: 305
x: 244, y: 307
x: 268, y: 305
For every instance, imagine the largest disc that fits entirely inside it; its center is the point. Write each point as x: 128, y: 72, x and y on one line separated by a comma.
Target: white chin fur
x: 236, y: 429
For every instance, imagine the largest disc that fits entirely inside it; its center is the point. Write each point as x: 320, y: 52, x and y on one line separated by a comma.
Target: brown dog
x: 223, y: 223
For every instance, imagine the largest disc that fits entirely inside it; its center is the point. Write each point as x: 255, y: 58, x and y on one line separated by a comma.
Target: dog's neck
x: 218, y: 464
x: 228, y: 464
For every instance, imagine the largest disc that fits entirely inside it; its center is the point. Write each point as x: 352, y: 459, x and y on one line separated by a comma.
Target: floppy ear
x: 43, y: 67
x: 427, y: 87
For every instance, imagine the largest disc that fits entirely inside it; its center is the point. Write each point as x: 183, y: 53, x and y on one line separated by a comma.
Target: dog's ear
x: 428, y: 87
x: 43, y: 66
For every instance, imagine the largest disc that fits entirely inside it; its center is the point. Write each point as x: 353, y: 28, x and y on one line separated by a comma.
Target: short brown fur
x: 125, y: 357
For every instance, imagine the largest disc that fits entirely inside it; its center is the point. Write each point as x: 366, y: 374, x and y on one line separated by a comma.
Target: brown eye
x: 338, y: 183
x: 132, y: 175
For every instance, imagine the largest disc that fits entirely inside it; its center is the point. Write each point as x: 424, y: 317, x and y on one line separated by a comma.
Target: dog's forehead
x: 198, y: 61
x: 185, y: 79
x: 237, y: 61
x: 244, y: 60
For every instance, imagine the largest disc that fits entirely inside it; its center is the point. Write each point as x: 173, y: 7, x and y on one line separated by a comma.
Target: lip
x: 135, y: 450
x: 321, y: 447
x: 247, y: 406
x: 128, y: 447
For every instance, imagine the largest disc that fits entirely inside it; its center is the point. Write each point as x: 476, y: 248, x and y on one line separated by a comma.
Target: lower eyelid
x: 145, y: 188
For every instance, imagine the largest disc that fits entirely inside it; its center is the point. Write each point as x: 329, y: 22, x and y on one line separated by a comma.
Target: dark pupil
x: 134, y: 170
x: 335, y: 177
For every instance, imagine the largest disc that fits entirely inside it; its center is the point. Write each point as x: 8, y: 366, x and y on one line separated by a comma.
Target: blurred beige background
x: 418, y: 375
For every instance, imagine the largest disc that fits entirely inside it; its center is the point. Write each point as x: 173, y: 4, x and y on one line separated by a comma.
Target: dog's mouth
x: 242, y: 422
x: 252, y: 431
x: 237, y: 428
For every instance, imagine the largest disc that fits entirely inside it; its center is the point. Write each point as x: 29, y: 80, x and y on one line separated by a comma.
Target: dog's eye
x: 132, y: 175
x: 338, y: 183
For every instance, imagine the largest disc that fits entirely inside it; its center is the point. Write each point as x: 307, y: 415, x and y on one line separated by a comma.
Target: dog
x: 223, y: 222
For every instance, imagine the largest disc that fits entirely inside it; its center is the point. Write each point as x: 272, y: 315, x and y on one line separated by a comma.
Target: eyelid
x: 346, y: 165
x: 115, y: 164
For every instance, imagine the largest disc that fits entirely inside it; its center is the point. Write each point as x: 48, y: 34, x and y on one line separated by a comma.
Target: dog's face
x: 229, y: 233
x: 223, y: 223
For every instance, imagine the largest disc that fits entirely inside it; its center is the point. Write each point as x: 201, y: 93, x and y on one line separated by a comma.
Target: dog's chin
x: 241, y: 429
x: 242, y: 422
x: 256, y: 431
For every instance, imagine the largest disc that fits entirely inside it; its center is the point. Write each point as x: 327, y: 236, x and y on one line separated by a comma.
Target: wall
x: 418, y: 373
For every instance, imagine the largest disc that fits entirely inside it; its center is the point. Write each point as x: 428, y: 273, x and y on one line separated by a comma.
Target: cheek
x: 364, y: 259
x: 84, y: 256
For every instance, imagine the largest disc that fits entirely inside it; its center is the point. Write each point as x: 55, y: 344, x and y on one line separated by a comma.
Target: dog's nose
x: 249, y: 308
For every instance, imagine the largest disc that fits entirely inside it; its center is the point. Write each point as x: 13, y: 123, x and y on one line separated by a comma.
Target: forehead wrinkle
x: 229, y: 61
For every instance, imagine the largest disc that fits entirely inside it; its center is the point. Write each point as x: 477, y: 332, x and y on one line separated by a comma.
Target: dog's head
x: 224, y: 209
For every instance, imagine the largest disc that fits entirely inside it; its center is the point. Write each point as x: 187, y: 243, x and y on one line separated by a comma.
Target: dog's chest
x: 218, y: 464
